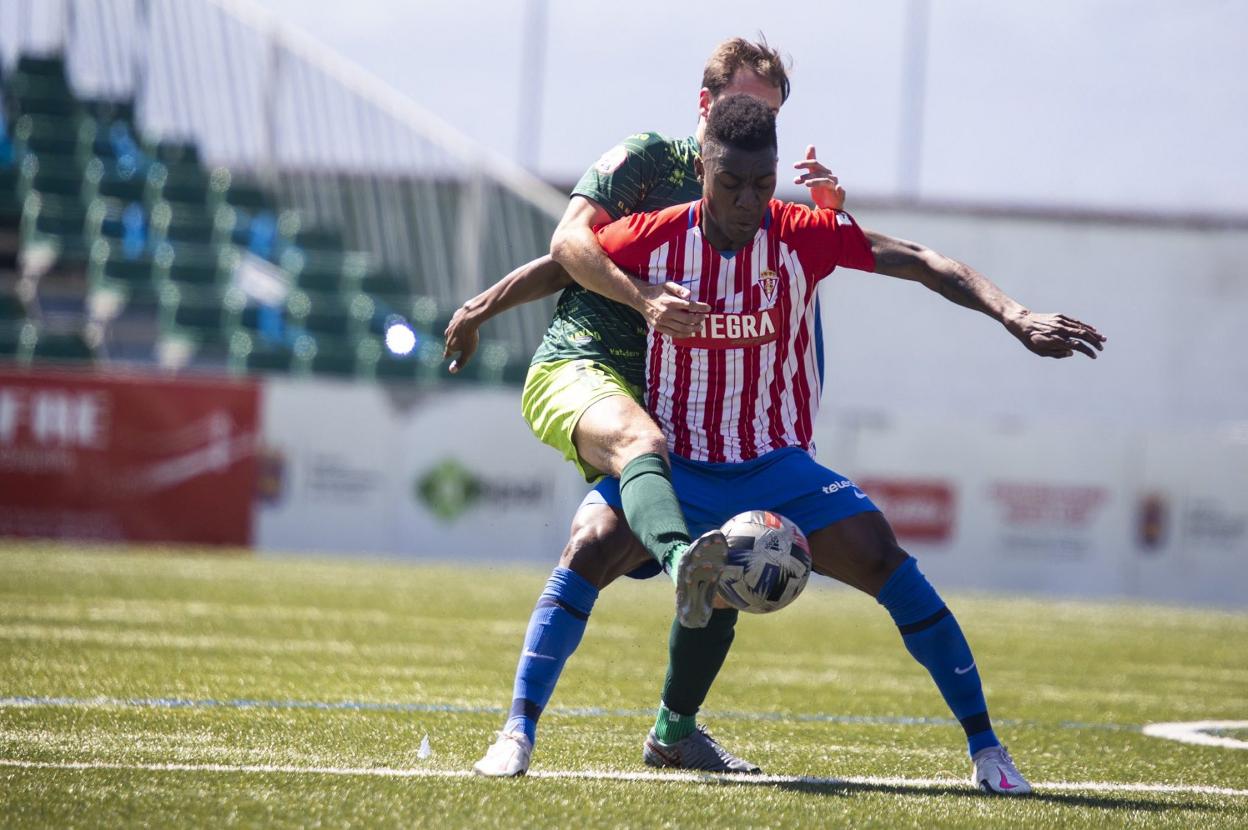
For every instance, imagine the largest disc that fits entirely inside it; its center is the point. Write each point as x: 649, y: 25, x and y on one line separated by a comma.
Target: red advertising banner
x: 117, y: 457
x: 918, y: 510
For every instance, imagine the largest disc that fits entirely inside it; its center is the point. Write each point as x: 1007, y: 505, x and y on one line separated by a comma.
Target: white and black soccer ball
x: 768, y: 562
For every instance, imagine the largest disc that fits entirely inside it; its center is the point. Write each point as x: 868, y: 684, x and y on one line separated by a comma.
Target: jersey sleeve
x: 625, y: 174
x: 630, y: 241
x: 824, y: 239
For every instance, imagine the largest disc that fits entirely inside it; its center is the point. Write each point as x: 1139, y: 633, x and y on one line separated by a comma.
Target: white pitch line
x: 1196, y: 732
x: 613, y: 775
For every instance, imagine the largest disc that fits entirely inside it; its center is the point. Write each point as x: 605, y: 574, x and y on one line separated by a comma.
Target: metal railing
x: 330, y: 140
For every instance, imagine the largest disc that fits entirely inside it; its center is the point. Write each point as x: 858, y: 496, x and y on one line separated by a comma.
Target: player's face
x: 745, y: 81
x: 737, y: 185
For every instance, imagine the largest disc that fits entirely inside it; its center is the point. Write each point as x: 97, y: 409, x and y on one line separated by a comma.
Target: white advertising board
x: 1028, y: 509
x: 456, y: 475
x: 366, y: 469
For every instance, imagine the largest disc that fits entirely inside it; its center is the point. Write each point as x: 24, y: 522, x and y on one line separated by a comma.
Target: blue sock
x: 934, y: 638
x: 555, y: 631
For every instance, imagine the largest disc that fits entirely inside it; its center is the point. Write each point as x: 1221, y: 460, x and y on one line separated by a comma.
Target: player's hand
x: 1056, y: 335
x: 668, y: 310
x: 461, y: 340
x: 825, y: 188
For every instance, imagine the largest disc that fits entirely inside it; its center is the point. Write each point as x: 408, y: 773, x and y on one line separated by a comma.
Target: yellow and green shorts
x: 556, y: 395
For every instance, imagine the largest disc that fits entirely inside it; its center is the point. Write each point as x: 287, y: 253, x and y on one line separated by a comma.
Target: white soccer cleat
x: 507, y: 758
x: 697, y: 578
x: 995, y: 772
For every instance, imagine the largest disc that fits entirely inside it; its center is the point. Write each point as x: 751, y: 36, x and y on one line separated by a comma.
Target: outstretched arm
x: 574, y: 245
x: 531, y: 281
x: 1048, y: 335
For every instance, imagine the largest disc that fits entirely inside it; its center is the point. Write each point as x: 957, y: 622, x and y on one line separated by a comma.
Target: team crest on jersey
x: 611, y: 160
x: 768, y: 281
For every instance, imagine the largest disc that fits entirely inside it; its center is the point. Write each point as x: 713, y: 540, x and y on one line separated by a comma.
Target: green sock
x: 652, y: 510
x: 672, y: 726
x: 695, y: 656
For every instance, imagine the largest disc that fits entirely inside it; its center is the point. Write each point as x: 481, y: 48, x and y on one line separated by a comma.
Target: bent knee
x: 886, y: 556
x: 587, y: 542
x: 599, y: 547
x: 638, y: 440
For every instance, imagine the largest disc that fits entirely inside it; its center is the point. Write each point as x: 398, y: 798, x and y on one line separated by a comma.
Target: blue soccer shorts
x: 786, y: 481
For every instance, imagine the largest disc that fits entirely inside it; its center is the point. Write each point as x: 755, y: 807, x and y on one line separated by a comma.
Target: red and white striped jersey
x: 748, y: 382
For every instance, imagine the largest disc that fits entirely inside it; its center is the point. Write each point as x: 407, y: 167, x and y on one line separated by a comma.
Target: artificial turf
x: 193, y: 689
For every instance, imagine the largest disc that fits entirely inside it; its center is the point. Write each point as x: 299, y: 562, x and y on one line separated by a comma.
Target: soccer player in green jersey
x: 581, y: 398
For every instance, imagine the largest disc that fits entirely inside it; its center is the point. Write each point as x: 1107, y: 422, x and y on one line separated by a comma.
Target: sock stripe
x: 555, y: 602
x: 974, y: 724
x: 915, y: 627
x: 521, y: 708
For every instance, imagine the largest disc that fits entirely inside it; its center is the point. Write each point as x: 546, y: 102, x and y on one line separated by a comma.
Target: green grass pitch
x: 205, y: 690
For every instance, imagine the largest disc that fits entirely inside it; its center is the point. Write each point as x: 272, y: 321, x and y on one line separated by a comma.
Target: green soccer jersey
x: 643, y: 173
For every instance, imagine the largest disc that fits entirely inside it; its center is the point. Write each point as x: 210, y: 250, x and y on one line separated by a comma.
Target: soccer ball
x: 768, y: 562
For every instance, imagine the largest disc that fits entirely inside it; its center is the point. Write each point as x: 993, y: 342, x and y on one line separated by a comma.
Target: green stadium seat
x: 205, y: 321
x: 105, y: 110
x: 47, y: 135
x: 115, y: 183
x: 10, y: 344
x: 196, y: 272
x: 329, y: 321
x: 391, y: 287
x: 188, y: 224
x: 62, y: 222
x: 249, y: 198
x: 327, y: 240
x: 190, y: 185
x: 137, y: 278
x: 248, y: 353
x: 12, y: 309
x: 323, y: 272
x: 17, y: 340
x: 62, y: 346
x: 334, y: 362
x: 183, y: 183
x: 275, y: 359
x: 175, y: 153
x: 34, y: 95
x: 10, y: 199
x: 321, y: 280
x: 58, y: 177
x: 48, y: 67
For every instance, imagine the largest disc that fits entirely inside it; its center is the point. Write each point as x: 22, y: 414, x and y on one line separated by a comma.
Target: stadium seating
x: 130, y: 244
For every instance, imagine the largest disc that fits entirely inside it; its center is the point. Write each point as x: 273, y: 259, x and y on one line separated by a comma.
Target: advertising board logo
x: 449, y: 489
x: 918, y: 510
x: 1151, y: 518
x: 1047, y: 521
x: 270, y: 475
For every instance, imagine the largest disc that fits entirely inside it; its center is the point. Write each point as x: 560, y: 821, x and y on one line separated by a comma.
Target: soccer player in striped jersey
x: 583, y: 398
x: 737, y: 400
